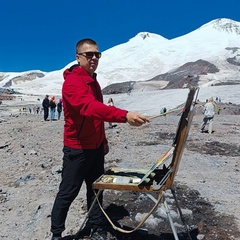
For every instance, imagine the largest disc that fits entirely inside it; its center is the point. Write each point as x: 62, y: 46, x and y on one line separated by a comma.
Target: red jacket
x: 84, y: 110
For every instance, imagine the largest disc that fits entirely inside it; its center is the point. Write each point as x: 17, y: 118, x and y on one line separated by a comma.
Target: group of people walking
x: 50, y: 105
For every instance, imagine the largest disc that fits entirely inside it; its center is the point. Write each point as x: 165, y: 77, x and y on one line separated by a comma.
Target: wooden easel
x: 159, y: 179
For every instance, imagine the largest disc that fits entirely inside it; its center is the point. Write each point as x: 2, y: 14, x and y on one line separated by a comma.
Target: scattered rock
x: 207, y: 183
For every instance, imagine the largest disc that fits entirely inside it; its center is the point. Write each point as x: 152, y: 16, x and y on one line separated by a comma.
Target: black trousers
x: 78, y: 166
x: 46, y: 112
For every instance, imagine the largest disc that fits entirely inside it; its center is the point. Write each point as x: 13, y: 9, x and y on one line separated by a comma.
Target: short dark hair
x: 83, y: 41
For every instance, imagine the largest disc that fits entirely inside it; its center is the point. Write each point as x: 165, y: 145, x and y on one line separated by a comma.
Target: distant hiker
x: 164, y: 110
x: 59, y: 108
x: 45, y: 105
x: 52, y: 105
x: 85, y: 142
x: 34, y: 109
x: 208, y: 111
x: 110, y: 103
x: 37, y: 109
x: 218, y: 110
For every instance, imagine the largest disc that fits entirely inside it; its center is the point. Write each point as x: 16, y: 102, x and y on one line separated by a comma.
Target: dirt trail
x: 207, y: 183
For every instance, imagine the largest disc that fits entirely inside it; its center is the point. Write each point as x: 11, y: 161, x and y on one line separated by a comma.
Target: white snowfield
x: 147, y: 55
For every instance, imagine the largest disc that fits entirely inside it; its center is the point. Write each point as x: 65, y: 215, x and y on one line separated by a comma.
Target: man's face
x: 88, y: 61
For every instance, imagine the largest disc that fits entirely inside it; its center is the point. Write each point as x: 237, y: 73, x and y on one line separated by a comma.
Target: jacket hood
x: 73, y: 66
x: 76, y: 69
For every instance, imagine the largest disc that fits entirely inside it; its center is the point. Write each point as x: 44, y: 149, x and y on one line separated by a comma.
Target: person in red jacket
x: 85, y: 142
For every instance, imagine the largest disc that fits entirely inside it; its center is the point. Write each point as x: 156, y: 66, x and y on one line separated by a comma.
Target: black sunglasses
x: 91, y: 54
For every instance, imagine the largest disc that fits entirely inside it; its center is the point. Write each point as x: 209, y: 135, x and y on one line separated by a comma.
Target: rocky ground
x: 207, y: 183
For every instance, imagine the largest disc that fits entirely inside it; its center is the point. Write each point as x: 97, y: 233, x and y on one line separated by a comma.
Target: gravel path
x: 31, y: 158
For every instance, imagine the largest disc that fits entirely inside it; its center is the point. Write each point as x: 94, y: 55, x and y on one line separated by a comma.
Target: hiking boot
x: 56, y: 237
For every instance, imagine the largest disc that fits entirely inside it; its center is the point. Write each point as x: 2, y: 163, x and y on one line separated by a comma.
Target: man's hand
x: 136, y: 119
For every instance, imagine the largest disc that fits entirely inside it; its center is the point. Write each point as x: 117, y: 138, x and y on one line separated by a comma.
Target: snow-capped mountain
x: 148, y: 55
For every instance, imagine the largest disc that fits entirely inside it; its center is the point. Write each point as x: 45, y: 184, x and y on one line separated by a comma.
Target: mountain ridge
x: 148, y: 55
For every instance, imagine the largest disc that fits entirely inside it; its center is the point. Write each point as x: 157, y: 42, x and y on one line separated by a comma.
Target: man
x: 52, y: 106
x: 45, y: 105
x: 208, y: 111
x: 85, y: 143
x: 59, y: 108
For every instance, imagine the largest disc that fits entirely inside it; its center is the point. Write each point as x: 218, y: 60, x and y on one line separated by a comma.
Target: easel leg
x: 167, y: 211
x: 180, y: 213
x: 89, y: 211
x: 170, y: 218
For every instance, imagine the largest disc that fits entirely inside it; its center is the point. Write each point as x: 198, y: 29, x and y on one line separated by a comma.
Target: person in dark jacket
x: 45, y: 105
x: 52, y: 106
x: 59, y: 108
x: 85, y: 142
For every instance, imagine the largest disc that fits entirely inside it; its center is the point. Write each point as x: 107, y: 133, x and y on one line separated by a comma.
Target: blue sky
x: 42, y: 34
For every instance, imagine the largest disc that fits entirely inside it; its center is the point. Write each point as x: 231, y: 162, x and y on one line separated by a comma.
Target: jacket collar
x: 76, y: 69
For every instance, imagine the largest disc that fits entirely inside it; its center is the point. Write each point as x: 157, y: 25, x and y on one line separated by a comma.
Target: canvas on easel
x: 162, y: 173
